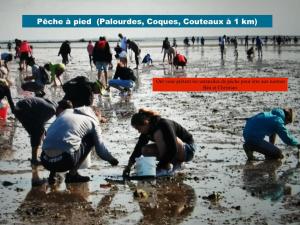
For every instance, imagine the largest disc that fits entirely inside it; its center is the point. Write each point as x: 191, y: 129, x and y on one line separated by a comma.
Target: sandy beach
x: 244, y: 193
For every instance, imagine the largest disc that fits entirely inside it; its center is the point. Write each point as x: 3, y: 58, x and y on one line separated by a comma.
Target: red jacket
x: 25, y: 47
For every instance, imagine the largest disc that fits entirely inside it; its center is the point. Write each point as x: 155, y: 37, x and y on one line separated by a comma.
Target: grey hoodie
x: 66, y: 132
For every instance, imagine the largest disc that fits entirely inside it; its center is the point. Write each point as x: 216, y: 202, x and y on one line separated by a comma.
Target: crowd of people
x: 76, y: 129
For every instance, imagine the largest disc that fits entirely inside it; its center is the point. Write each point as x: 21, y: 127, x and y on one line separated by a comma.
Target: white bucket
x: 87, y: 162
x: 145, y: 166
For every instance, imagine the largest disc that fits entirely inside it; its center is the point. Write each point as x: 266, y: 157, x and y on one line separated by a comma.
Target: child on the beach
x: 173, y: 144
x: 147, y: 60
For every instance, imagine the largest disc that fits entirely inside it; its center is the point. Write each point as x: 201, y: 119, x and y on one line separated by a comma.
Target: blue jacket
x: 266, y: 124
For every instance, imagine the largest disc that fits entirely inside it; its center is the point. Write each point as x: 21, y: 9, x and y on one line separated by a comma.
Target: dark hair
x: 62, y: 105
x: 47, y: 66
x: 30, y: 61
x: 289, y: 115
x: 9, y: 57
x: 142, y: 115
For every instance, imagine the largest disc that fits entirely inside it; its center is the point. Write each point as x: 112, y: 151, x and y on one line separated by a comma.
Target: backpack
x: 45, y: 76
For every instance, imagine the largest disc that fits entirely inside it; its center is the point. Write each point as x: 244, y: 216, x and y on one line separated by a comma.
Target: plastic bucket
x: 87, y: 162
x: 145, y: 166
x: 3, y: 110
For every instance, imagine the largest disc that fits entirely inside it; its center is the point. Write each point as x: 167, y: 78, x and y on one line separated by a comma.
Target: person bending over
x: 69, y: 140
x: 173, y: 144
x: 268, y: 124
x: 33, y: 113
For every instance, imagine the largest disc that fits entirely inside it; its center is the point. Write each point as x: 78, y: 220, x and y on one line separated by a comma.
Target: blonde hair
x: 290, y: 115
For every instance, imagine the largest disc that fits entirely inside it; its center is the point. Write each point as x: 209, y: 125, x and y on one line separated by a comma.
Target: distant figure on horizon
x: 9, y: 46
x: 235, y: 44
x: 259, y: 46
x: 165, y: 47
x: 222, y: 41
x: 90, y: 48
x: 197, y: 40
x: 202, y: 41
x: 246, y: 41
x: 250, y: 53
x: 174, y: 43
x: 279, y: 40
x: 266, y: 40
x: 65, y: 51
x: 193, y: 40
x: 186, y: 42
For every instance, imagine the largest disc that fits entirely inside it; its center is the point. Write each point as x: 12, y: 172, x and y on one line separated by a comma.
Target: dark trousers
x: 67, y: 161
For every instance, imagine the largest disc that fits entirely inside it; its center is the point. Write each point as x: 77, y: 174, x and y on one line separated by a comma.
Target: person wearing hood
x: 268, y: 124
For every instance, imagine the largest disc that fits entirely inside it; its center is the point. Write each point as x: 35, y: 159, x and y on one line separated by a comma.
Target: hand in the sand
x: 126, y: 171
x: 114, y: 162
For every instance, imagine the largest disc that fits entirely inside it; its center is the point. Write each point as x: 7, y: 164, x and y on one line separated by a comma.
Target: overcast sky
x: 285, y: 17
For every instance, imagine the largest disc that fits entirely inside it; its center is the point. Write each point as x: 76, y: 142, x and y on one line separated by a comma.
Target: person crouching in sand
x: 268, y: 124
x: 147, y: 60
x: 173, y: 144
x: 70, y: 139
x: 179, y: 60
x: 123, y: 80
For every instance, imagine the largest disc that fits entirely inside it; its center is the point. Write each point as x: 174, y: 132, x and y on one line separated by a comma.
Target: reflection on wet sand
x: 169, y: 202
x: 262, y: 181
x: 7, y: 132
x: 44, y: 204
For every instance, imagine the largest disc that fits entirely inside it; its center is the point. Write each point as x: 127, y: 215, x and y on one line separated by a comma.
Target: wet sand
x: 245, y: 193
